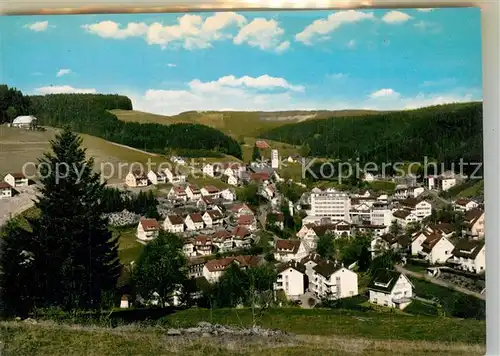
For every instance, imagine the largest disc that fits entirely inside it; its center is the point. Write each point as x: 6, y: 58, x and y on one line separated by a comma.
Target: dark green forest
x: 12, y: 104
x: 87, y: 113
x: 444, y: 133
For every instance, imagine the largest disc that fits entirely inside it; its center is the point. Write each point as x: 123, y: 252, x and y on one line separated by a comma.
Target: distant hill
x: 237, y: 123
x: 444, y: 133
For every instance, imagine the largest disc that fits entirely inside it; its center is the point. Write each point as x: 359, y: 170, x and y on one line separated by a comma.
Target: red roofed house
x: 436, y: 249
x: 148, y: 229
x: 247, y: 221
x: 262, y: 145
x: 223, y: 240
x: 16, y: 180
x: 177, y: 193
x: 242, y: 237
x: 136, y: 179
x: 210, y: 191
x: 214, y: 269
x: 212, y: 218
x: 193, y: 192
x: 5, y: 190
x: 241, y: 209
x: 194, y: 221
x: 287, y: 250
x: 174, y: 224
x: 203, y: 245
x: 464, y: 205
x: 260, y: 177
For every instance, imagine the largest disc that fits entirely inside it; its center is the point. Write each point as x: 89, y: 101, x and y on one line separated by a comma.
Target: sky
x: 296, y: 60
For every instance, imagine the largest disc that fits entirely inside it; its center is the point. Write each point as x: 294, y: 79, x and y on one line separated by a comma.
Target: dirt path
x: 439, y: 282
x: 134, y: 149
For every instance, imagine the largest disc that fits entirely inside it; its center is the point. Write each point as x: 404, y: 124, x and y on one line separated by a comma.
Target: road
x: 436, y: 195
x: 439, y: 282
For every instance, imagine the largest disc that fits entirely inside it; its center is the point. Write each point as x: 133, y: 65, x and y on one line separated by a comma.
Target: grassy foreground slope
x: 235, y: 123
x: 318, y: 332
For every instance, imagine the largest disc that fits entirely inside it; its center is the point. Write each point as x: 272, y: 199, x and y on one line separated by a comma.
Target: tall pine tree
x: 74, y: 258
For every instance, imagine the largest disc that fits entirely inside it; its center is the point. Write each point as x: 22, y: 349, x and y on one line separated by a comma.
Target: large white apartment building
x: 330, y: 203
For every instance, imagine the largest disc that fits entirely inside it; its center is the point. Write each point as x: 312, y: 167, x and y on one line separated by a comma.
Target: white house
x: 436, y: 249
x: 136, y: 179
x: 309, y: 262
x: 174, y: 224
x: 404, y: 217
x: 5, y: 190
x: 287, y: 250
x: 420, y: 208
x: 247, y: 221
x: 470, y: 255
x: 174, y: 178
x: 464, y: 205
x: 177, y: 193
x: 208, y: 169
x: 291, y: 279
x: 148, y: 229
x: 230, y: 179
x: 474, y: 223
x: 242, y: 237
x: 418, y: 238
x: 25, y: 122
x: 193, y: 192
x: 214, y: 269
x: 188, y: 248
x: 227, y: 194
x: 212, y: 218
x: 194, y: 221
x: 157, y: 177
x: 390, y: 289
x: 334, y: 281
x: 16, y: 180
x: 241, y: 209
x: 404, y: 192
x: 223, y: 240
x: 210, y: 191
x: 203, y: 245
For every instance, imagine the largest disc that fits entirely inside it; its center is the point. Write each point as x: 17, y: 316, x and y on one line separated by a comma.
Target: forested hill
x: 445, y: 133
x: 88, y: 113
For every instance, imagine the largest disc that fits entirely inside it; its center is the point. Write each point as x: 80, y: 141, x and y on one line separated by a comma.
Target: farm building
x: 25, y: 122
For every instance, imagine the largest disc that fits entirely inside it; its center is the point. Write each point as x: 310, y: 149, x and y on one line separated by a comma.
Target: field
x: 284, y: 149
x: 23, y: 339
x: 236, y: 123
x: 129, y: 248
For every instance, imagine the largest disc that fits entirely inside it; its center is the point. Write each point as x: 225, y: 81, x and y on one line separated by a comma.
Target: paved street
x: 439, y: 282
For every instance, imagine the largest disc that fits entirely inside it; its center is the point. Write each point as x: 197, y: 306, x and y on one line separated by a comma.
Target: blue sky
x: 169, y: 63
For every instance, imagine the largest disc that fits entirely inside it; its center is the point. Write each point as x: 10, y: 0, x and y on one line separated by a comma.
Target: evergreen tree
x: 256, y: 155
x: 75, y: 259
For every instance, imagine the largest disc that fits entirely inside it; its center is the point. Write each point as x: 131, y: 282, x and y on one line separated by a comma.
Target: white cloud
x: 322, y: 27
x: 110, y: 29
x: 171, y: 65
x: 384, y: 93
x: 263, y: 82
x: 396, y: 17
x: 62, y: 72
x: 190, y: 31
x: 262, y: 33
x: 425, y: 10
x: 63, y: 89
x: 38, y: 26
x: 351, y: 44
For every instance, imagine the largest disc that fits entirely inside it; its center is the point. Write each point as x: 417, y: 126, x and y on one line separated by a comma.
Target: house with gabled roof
x: 157, y: 177
x: 436, y: 249
x: 204, y: 203
x: 470, y: 255
x: 210, y: 191
x: 291, y: 279
x: 194, y: 221
x: 474, y: 223
x: 188, y: 248
x: 136, y: 179
x: 214, y: 269
x: 16, y: 179
x: 203, y: 245
x: 212, y: 218
x: 230, y: 179
x: 247, y: 221
x: 223, y: 240
x: 242, y: 237
x: 418, y: 207
x: 174, y: 177
x: 464, y: 205
x: 241, y: 209
x: 177, y: 193
x: 310, y: 261
x: 444, y: 229
x: 193, y: 192
x: 287, y: 250
x: 208, y: 169
x: 148, y: 229
x: 334, y: 281
x: 174, y: 224
x: 404, y: 217
x: 228, y: 194
x: 391, y: 289
x: 5, y: 190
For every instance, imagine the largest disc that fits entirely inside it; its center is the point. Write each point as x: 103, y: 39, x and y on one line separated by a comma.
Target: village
x: 218, y: 230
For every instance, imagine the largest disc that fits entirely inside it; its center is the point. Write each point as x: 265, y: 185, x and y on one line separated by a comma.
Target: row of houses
x: 138, y: 178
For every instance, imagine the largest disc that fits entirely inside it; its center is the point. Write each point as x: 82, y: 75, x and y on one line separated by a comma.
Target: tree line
x: 444, y: 133
x: 115, y: 200
x: 12, y: 104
